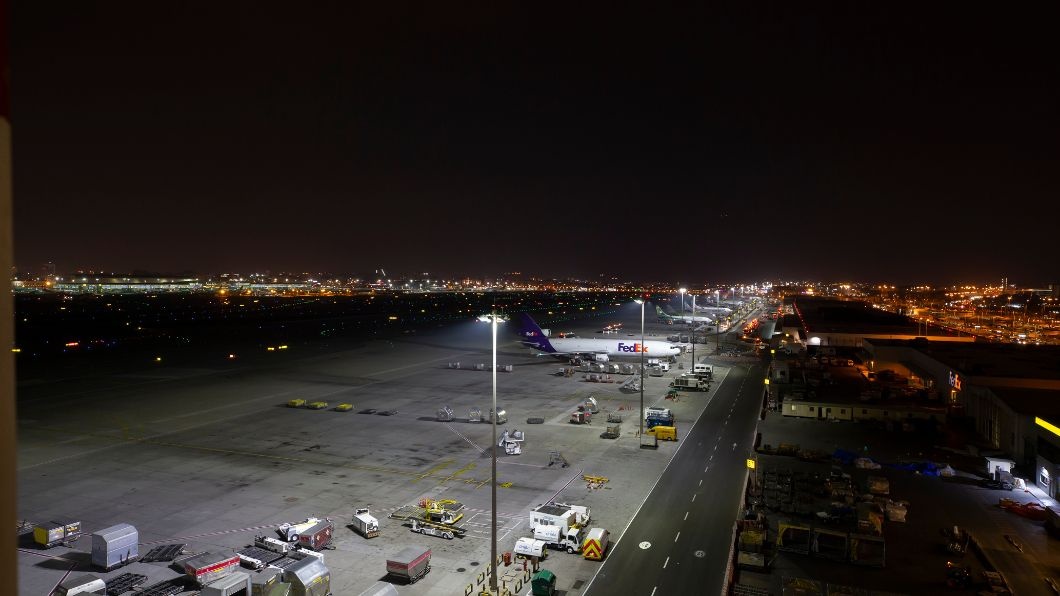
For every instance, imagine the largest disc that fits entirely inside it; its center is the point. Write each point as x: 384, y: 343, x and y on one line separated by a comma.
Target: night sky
x: 867, y: 141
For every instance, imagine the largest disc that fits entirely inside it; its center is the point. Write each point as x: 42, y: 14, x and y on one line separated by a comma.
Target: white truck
x: 562, y: 515
x: 701, y: 369
x: 556, y: 538
x: 690, y: 383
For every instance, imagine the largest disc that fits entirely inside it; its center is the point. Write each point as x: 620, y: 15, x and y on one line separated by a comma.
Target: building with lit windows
x: 1005, y: 389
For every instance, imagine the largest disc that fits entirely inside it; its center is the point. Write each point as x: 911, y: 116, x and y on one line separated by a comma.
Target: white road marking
x: 686, y: 516
x: 701, y: 482
x: 666, y: 562
x: 705, y: 470
x: 653, y: 590
x: 676, y: 537
x: 693, y: 498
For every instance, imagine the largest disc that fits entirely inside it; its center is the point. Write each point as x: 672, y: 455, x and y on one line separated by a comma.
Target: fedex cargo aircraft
x: 598, y: 349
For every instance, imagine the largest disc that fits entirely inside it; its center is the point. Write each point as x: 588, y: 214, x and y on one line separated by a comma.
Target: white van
x: 700, y: 368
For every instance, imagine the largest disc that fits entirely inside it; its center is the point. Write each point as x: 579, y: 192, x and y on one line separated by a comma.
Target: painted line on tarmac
x: 666, y: 562
x: 208, y: 534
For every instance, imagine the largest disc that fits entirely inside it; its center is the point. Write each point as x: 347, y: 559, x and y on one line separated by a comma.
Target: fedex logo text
x: 636, y: 348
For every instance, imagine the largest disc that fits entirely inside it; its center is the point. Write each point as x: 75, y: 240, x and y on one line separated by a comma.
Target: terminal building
x: 844, y: 323
x: 1010, y: 392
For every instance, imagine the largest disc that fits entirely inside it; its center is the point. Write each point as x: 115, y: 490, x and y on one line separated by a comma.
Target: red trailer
x: 317, y: 536
x: 411, y: 564
x: 211, y: 566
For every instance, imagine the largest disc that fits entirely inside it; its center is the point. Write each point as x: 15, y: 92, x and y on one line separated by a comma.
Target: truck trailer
x: 54, y: 533
x: 411, y: 564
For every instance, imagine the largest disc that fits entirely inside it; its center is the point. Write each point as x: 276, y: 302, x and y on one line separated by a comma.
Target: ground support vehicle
x: 432, y: 523
x: 365, y: 524
x: 595, y: 545
x: 690, y: 383
x: 557, y: 538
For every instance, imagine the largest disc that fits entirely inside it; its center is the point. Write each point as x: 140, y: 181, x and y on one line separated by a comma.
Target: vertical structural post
x: 693, y: 334
x: 493, y: 473
x: 8, y: 478
x: 641, y: 419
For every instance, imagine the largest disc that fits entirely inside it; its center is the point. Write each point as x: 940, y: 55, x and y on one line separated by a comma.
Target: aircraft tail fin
x: 531, y: 335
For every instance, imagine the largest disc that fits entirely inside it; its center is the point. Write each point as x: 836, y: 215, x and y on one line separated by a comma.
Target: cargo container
x: 317, y: 536
x: 115, y: 546
x: 82, y: 584
x: 380, y: 589
x: 54, y: 533
x: 261, y: 583
x: 529, y: 547
x: 211, y: 566
x: 595, y: 546
x: 235, y: 584
x: 410, y: 564
x: 308, y: 577
x: 280, y: 589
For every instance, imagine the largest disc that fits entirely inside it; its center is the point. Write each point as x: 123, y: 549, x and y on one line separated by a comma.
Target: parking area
x: 916, y: 549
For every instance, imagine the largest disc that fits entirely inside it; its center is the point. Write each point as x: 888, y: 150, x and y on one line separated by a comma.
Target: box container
x: 115, y: 546
x: 308, y: 577
x: 53, y: 533
x: 235, y: 584
x: 211, y: 566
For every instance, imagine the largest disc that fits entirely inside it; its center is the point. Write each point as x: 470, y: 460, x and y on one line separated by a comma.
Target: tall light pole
x: 693, y: 324
x: 640, y: 434
x: 493, y: 318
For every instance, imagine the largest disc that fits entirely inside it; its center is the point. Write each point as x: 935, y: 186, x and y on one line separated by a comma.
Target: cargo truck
x: 557, y: 538
x: 411, y: 564
x: 690, y: 383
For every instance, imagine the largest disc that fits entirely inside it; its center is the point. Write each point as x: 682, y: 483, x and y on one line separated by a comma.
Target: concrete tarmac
x: 210, y: 456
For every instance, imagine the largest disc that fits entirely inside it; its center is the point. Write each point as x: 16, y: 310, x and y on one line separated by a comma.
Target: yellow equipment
x: 296, y: 403
x: 444, y: 511
x: 664, y: 433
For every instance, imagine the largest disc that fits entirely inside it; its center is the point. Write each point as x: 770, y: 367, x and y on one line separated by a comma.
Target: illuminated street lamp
x: 640, y: 434
x: 493, y: 319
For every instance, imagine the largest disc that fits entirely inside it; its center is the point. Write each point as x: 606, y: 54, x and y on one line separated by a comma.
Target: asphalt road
x: 678, y: 543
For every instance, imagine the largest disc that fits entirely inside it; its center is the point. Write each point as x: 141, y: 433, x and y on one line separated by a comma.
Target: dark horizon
x: 896, y: 143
